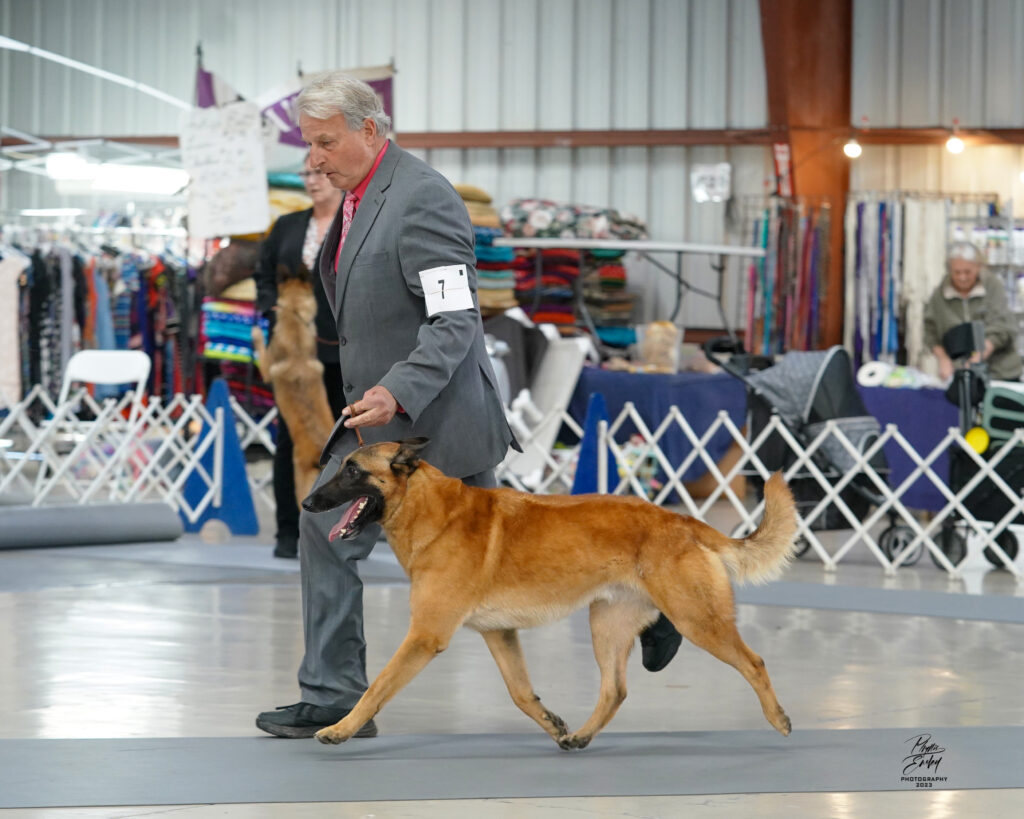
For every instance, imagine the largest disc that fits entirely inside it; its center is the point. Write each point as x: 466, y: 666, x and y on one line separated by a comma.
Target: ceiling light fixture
x: 140, y: 179
x: 69, y: 165
x: 51, y: 212
x: 74, y: 174
x: 853, y: 148
x: 954, y: 144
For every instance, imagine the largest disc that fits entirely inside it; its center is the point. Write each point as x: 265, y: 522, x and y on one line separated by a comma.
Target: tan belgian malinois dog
x: 497, y: 560
x: 290, y: 365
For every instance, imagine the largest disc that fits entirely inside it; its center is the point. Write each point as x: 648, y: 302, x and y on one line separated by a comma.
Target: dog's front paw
x: 557, y: 723
x: 330, y: 736
x: 573, y: 742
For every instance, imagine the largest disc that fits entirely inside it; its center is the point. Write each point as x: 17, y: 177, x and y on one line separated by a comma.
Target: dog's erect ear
x: 408, y: 456
x: 303, y: 273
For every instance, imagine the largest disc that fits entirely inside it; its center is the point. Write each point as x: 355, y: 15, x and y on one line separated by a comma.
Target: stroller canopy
x: 807, y: 388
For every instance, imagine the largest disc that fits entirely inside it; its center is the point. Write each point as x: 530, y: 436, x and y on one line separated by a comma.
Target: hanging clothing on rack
x: 13, y: 265
x: 74, y: 296
x: 895, y: 258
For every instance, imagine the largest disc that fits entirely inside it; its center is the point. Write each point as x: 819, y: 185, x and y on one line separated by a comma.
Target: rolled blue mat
x: 23, y: 527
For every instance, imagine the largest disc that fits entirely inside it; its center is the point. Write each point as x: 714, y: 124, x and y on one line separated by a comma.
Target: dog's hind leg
x: 508, y: 654
x: 701, y: 608
x: 613, y: 628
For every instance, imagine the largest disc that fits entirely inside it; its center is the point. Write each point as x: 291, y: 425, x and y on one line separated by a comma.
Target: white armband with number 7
x: 446, y: 289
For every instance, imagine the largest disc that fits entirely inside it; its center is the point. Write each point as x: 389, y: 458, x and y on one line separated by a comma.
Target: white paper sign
x: 222, y: 149
x: 710, y: 183
x: 446, y: 289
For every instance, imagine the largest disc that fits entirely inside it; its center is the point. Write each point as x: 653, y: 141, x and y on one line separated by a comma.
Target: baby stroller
x: 999, y: 406
x: 806, y: 390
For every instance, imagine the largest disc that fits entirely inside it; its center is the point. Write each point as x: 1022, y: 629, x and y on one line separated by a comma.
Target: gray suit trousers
x: 333, y: 670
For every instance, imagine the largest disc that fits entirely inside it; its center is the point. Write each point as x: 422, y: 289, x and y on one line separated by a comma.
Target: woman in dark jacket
x: 296, y: 239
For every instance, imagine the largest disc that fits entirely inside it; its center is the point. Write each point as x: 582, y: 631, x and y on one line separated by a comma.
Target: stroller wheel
x: 802, y: 545
x: 953, y: 545
x: 1008, y: 543
x: 895, y: 540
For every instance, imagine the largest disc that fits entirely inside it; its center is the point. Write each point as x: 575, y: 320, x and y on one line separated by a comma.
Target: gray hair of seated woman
x: 968, y: 251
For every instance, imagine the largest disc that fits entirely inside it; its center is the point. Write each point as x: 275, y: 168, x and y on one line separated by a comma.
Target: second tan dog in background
x: 290, y: 365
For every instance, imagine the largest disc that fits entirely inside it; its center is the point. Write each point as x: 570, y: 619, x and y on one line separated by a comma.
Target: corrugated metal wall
x: 462, y: 65
x: 538, y: 64
x: 920, y: 63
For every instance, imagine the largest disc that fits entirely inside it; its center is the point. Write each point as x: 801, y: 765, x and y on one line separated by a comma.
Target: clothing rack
x: 107, y: 295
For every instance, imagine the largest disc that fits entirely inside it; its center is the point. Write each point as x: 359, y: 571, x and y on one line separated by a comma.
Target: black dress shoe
x: 660, y: 641
x: 302, y: 720
x: 287, y: 547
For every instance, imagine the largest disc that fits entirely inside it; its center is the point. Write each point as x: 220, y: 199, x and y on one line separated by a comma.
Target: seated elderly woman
x: 970, y: 293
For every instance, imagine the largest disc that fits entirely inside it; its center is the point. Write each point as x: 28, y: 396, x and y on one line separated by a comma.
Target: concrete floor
x: 193, y: 638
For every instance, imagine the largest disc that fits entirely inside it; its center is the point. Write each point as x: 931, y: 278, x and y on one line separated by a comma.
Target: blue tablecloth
x: 923, y: 417
x: 698, y: 396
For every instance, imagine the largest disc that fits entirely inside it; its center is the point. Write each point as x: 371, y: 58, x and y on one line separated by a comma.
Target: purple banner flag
x: 212, y: 91
x: 278, y: 104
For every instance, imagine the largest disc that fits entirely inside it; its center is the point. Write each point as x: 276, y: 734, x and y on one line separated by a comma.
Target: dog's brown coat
x: 496, y: 560
x: 290, y: 365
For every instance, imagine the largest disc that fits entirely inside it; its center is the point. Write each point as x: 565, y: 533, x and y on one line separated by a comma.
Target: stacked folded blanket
x: 495, y: 277
x: 610, y: 305
x: 544, y: 218
x: 545, y: 282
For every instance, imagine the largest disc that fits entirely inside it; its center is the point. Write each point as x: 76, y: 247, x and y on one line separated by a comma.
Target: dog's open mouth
x: 349, y: 525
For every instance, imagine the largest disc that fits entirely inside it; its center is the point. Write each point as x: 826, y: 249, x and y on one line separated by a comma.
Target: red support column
x: 808, y: 55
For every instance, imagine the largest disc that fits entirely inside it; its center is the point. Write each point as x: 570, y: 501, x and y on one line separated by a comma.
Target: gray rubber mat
x: 910, y: 602
x: 71, y: 772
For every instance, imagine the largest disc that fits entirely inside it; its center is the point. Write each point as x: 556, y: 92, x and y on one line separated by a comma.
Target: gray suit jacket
x: 411, y: 219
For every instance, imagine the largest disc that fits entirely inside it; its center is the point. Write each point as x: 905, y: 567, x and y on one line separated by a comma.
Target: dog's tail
x: 763, y: 554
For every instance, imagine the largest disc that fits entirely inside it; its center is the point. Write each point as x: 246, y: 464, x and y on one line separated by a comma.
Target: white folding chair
x: 108, y: 367
x: 95, y: 367
x: 536, y: 415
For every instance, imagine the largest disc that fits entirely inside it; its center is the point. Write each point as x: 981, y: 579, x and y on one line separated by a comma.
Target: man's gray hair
x: 968, y: 251
x: 335, y: 92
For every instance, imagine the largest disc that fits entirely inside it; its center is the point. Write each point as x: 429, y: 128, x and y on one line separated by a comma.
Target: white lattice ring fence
x: 805, y: 462
x: 87, y: 451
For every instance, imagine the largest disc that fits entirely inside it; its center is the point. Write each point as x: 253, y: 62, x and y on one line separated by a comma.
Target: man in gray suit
x: 400, y: 264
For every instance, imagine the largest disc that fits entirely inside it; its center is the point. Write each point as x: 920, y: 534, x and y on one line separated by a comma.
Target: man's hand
x: 375, y: 409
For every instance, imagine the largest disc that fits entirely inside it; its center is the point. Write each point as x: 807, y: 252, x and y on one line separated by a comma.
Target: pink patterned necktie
x: 348, y: 210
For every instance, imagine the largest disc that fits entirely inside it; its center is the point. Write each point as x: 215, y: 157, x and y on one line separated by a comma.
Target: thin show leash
x: 353, y: 413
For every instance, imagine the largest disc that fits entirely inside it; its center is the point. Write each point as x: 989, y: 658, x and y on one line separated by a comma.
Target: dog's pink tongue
x: 342, y: 525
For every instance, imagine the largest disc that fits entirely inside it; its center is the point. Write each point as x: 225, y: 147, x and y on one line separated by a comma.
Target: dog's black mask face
x: 365, y: 479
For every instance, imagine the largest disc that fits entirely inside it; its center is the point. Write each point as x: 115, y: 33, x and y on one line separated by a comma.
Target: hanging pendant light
x: 954, y: 144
